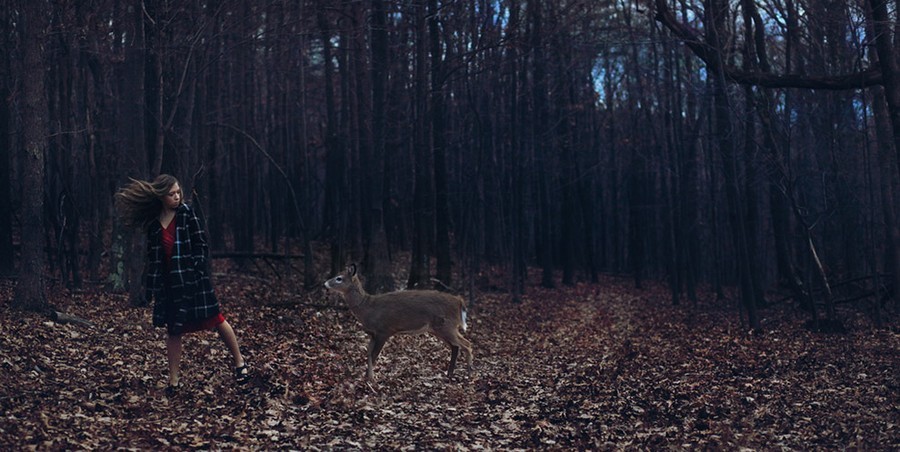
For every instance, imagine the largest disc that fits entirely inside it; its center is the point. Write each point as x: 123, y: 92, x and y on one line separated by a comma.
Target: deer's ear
x: 351, y: 269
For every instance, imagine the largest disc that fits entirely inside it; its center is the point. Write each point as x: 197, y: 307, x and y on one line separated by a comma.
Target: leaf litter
x: 594, y: 366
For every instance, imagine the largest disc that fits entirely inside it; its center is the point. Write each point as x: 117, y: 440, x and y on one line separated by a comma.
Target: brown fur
x: 404, y: 312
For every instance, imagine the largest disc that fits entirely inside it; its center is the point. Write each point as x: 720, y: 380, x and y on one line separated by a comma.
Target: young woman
x: 176, y: 272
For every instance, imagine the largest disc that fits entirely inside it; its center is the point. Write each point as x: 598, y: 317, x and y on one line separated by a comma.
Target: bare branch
x: 710, y: 56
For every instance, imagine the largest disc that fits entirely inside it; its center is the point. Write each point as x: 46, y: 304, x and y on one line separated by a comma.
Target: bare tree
x: 376, y: 262
x: 30, y: 290
x: 423, y: 204
x: 6, y: 145
x: 438, y: 121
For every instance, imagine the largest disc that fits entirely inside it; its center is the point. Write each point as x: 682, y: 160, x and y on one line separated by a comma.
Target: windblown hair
x: 139, y: 202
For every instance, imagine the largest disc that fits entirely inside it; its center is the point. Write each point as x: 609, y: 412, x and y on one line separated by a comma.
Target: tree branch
x: 710, y: 56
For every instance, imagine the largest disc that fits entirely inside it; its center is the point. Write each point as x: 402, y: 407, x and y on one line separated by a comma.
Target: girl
x: 176, y: 272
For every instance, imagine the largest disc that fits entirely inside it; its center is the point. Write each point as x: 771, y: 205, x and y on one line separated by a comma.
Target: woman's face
x: 172, y: 199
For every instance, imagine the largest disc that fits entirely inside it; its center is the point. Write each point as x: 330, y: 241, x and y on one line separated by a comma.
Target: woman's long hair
x: 139, y: 202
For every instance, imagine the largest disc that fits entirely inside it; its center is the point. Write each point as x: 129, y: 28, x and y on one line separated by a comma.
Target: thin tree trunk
x: 890, y: 67
x: 889, y: 184
x: 310, y: 276
x: 724, y: 132
x: 636, y: 218
x: 7, y: 266
x: 377, y: 261
x: 519, y: 242
x: 134, y: 152
x: 157, y: 86
x: 423, y: 202
x: 348, y: 128
x: 541, y: 151
x: 334, y: 179
x: 30, y: 290
x: 689, y: 162
x: 672, y: 180
x: 752, y: 218
x: 569, y: 238
x: 215, y: 173
x: 439, y: 143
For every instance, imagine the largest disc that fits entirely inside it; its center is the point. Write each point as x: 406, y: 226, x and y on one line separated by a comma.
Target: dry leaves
x: 594, y: 366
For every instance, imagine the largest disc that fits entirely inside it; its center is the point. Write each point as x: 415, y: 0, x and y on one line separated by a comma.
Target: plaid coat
x: 184, y: 294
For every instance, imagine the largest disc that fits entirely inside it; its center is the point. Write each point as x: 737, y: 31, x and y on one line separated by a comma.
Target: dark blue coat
x: 184, y: 294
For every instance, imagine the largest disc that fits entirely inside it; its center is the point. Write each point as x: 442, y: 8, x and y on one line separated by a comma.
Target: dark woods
x: 749, y: 146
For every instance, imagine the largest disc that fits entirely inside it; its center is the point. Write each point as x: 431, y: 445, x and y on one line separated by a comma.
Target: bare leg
x: 226, y: 332
x: 173, y: 353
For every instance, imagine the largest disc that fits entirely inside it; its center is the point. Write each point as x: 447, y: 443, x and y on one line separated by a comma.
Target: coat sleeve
x: 153, y: 279
x: 199, y: 245
x: 152, y: 268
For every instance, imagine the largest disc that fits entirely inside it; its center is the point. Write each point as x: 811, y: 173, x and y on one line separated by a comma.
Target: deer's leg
x: 454, y: 352
x: 376, y: 343
x: 467, y: 347
x: 453, y: 339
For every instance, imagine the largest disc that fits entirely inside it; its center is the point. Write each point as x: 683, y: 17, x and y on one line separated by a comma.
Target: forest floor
x: 595, y: 366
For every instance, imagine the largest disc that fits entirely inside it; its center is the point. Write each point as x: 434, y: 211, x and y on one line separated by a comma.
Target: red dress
x: 168, y: 245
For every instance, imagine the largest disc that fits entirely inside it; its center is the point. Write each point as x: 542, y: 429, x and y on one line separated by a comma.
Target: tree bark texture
x: 30, y: 290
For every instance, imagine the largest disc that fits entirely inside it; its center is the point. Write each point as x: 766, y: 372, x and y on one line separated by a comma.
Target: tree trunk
x: 569, y: 237
x: 156, y: 86
x: 689, y: 162
x: 6, y: 145
x: 334, y: 179
x: 637, y: 185
x: 30, y: 291
x: 889, y: 184
x: 890, y: 68
x: 673, y: 191
x: 439, y: 143
x: 519, y: 241
x: 348, y: 129
x: 310, y: 277
x: 423, y: 202
x: 134, y: 155
x: 540, y: 130
x: 752, y: 215
x: 215, y: 173
x: 377, y: 260
x: 716, y: 12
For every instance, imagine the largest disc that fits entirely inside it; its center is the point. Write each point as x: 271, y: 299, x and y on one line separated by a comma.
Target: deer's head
x: 344, y: 282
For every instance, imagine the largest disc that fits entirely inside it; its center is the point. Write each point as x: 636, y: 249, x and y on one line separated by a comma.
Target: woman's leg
x: 226, y: 332
x: 173, y: 352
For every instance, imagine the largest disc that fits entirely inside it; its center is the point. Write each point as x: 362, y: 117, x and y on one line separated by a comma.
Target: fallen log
x: 62, y: 317
x: 255, y: 256
x: 319, y: 306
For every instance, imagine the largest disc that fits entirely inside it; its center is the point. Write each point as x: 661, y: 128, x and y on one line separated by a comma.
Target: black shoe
x: 241, y: 374
x: 171, y: 390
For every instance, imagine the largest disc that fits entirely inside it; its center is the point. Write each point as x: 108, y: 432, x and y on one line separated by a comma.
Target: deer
x: 404, y: 312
